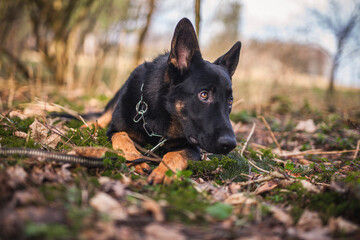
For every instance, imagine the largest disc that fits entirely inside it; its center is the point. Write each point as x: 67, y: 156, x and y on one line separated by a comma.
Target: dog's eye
x: 230, y: 101
x: 204, y: 95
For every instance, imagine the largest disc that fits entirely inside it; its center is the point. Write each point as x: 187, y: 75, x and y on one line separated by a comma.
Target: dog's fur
x: 189, y: 100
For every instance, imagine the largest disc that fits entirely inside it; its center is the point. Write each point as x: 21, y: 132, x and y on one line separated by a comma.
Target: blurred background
x: 296, y: 54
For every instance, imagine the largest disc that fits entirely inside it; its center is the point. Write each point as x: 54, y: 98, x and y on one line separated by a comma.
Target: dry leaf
x: 310, y: 187
x: 94, y: 152
x: 282, y: 216
x: 342, y: 225
x: 306, y: 126
x: 18, y: 113
x: 305, y: 162
x: 239, y: 198
x: 20, y: 134
x: 106, y: 204
x: 17, y: 176
x: 156, y: 231
x: 153, y: 207
x: 266, y: 187
x: 309, y: 220
x: 115, y: 186
x: 39, y: 133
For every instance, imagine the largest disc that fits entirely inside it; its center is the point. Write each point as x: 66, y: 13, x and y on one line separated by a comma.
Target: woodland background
x: 295, y: 173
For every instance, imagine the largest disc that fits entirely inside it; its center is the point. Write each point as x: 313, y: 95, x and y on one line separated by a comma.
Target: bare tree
x: 343, y: 26
x: 197, y: 17
x: 144, y: 31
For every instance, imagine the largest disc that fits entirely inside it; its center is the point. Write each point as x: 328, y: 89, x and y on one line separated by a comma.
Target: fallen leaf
x: 115, y: 186
x: 20, y: 134
x: 94, y: 152
x: 106, y: 204
x: 310, y: 187
x: 17, y: 176
x: 39, y: 133
x: 239, y: 198
x: 309, y: 220
x: 305, y: 162
x: 281, y: 216
x: 342, y: 225
x: 266, y: 187
x: 153, y: 207
x: 18, y: 113
x: 306, y: 126
x: 156, y: 231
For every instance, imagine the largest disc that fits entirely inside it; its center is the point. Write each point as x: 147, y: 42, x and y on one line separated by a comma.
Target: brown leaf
x: 156, y: 231
x: 281, y: 216
x: 310, y: 187
x: 342, y: 225
x: 239, y: 198
x: 95, y: 152
x: 17, y: 176
x: 266, y: 187
x: 115, y: 186
x: 306, y: 126
x: 309, y: 220
x: 155, y: 209
x: 17, y: 113
x: 106, y: 204
x: 20, y: 134
x: 39, y: 133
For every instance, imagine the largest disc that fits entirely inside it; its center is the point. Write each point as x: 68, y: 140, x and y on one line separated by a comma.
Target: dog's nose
x: 226, y: 143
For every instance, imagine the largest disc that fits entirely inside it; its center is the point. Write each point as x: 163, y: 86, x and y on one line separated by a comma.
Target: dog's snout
x: 226, y: 143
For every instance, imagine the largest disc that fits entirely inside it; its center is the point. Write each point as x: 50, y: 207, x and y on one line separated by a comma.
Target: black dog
x: 179, y: 101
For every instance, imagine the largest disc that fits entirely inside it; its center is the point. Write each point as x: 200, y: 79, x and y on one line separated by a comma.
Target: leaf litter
x: 297, y: 183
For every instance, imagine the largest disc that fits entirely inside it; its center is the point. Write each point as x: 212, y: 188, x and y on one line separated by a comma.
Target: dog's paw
x: 158, y: 176
x: 142, y: 169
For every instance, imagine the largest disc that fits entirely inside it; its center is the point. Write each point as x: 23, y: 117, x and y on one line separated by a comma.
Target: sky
x: 262, y: 19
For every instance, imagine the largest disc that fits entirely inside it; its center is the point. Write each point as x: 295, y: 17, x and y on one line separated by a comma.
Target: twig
x: 258, y: 168
x: 267, y: 178
x: 357, y: 150
x: 238, y: 102
x: 248, y: 139
x: 271, y: 133
x: 316, y: 153
x: 82, y: 119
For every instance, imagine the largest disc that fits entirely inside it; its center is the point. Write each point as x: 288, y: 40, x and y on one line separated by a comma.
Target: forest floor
x: 295, y: 174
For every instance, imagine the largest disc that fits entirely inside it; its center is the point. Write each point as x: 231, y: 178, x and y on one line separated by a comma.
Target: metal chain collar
x: 141, y: 109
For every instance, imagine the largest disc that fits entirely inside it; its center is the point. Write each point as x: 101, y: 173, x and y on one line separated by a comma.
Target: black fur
x: 175, y: 86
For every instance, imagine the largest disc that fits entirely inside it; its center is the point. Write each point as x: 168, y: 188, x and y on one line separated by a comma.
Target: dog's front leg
x: 121, y: 141
x: 173, y: 160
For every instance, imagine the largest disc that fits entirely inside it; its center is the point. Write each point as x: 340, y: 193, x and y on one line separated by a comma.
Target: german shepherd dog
x: 179, y: 101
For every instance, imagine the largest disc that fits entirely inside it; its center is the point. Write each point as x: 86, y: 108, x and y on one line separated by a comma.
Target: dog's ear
x: 230, y: 59
x: 184, y: 45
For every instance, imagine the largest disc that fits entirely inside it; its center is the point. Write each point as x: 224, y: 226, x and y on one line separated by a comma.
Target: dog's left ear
x: 230, y: 59
x: 184, y: 45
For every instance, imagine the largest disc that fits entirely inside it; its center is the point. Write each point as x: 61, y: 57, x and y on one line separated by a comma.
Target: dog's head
x: 201, y: 92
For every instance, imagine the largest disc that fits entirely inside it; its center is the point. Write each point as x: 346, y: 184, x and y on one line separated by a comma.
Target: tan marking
x: 175, y: 129
x: 121, y: 141
x: 175, y: 161
x: 105, y: 119
x: 167, y: 79
x: 102, y: 121
x: 179, y: 106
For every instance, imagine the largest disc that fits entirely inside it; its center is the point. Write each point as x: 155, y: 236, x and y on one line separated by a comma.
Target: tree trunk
x: 140, y: 44
x: 197, y: 17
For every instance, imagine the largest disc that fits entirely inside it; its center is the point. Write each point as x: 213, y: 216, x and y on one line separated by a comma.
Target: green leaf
x: 220, y: 211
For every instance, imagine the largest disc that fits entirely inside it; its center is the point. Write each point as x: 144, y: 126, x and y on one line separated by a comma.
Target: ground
x: 295, y: 174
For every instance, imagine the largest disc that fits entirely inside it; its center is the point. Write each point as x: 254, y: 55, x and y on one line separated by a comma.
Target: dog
x: 178, y: 101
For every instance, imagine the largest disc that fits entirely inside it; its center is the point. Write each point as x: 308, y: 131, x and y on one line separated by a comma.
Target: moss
x: 184, y: 203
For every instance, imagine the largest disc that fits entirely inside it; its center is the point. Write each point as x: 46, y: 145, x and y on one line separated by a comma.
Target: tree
x: 342, y: 25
